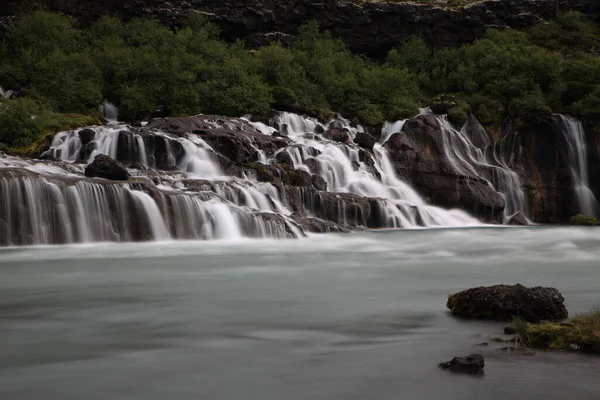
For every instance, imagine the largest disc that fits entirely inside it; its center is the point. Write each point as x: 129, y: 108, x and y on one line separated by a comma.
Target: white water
x: 468, y: 160
x: 218, y: 206
x: 109, y: 111
x: 5, y: 93
x: 574, y: 134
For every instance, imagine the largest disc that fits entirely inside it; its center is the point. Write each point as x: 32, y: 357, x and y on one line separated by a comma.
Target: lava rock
x: 471, y: 364
x: 365, y: 140
x: 518, y: 219
x: 319, y: 183
x: 86, y: 135
x: 105, y: 167
x: 336, y: 134
x: 502, y: 302
x: 138, y: 165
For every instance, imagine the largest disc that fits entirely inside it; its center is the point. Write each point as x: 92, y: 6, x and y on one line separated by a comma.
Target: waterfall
x: 109, y: 111
x: 6, y: 93
x: 468, y: 160
x: 574, y: 134
x: 345, y: 170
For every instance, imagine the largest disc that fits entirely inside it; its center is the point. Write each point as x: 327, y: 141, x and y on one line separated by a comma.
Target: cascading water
x: 574, y: 134
x: 468, y: 160
x: 109, y: 111
x: 187, y: 195
x: 6, y: 93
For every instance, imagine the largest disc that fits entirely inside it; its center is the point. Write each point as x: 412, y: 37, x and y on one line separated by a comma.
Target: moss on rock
x: 583, y: 220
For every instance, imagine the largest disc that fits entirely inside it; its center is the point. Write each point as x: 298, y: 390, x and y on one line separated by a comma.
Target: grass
x: 581, y: 333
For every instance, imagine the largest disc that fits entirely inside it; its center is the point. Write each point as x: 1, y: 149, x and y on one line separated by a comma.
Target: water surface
x: 358, y: 316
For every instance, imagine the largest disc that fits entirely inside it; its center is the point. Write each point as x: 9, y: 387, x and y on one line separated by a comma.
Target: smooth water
x: 359, y: 316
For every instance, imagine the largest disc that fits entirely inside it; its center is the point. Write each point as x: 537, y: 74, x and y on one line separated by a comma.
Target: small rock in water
x: 510, y: 330
x: 484, y: 344
x: 573, y: 347
x: 528, y: 352
x: 471, y: 364
x: 518, y: 219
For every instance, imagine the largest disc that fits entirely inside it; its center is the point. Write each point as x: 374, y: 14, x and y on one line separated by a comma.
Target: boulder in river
x: 365, y: 140
x: 105, y: 167
x: 518, y: 219
x: 471, y: 364
x: 503, y: 302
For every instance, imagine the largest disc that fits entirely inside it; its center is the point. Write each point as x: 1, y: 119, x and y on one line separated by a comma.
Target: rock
x: 443, y: 104
x: 283, y: 157
x: 365, y: 140
x: 319, y: 183
x: 299, y: 177
x: 138, y: 165
x: 420, y: 156
x: 510, y: 330
x: 478, y: 135
x: 336, y: 134
x: 86, y: 135
x: 518, y: 219
x: 105, y: 167
x: 583, y: 220
x: 503, y: 302
x: 471, y: 364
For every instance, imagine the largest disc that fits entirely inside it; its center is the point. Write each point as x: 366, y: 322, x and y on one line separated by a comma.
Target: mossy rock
x: 583, y: 220
x: 582, y: 333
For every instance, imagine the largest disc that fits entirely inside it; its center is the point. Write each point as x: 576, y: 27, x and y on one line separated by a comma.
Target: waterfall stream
x: 574, y: 134
x: 187, y: 195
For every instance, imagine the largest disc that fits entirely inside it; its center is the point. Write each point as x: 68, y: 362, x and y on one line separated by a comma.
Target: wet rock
x: 443, y: 104
x: 336, y: 134
x: 420, y: 156
x: 471, y: 364
x: 86, y: 135
x: 502, y: 302
x: 105, y: 167
x: 299, y: 178
x: 319, y: 183
x: 478, y: 135
x: 365, y: 140
x: 283, y: 157
x: 518, y: 219
x: 138, y: 165
x: 510, y: 330
x: 583, y: 220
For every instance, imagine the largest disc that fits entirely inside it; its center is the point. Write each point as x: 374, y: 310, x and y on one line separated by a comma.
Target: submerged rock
x: 105, y: 167
x: 502, y: 302
x: 471, y: 364
x: 518, y: 219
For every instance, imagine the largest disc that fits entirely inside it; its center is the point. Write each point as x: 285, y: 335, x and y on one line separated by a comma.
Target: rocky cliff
x: 367, y: 26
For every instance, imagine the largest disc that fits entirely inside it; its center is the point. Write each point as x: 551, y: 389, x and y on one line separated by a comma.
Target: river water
x: 359, y: 316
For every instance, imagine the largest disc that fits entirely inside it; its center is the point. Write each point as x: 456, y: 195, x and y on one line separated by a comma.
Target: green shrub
x: 20, y: 122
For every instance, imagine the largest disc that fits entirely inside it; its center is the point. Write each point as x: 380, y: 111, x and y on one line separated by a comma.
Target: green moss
x: 581, y: 333
x: 584, y: 220
x: 258, y: 167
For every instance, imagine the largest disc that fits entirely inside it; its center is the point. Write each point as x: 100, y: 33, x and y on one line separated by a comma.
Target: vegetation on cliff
x: 148, y: 70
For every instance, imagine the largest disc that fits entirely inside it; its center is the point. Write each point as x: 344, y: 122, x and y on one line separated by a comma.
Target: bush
x: 584, y: 220
x: 20, y: 122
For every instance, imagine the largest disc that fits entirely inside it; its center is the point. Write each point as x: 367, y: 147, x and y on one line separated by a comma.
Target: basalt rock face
x: 540, y: 155
x: 371, y: 27
x: 423, y: 157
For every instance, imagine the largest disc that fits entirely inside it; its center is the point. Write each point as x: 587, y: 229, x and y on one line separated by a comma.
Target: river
x: 357, y: 316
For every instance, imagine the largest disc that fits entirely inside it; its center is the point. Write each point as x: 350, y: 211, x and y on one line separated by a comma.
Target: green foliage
x: 20, y: 121
x: 569, y: 32
x: 147, y: 69
x: 584, y: 220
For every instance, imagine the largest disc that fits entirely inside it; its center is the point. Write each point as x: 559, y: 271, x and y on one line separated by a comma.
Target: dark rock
x: 319, y: 130
x: 518, y: 219
x: 336, y: 134
x: 502, y: 302
x: 299, y: 178
x: 105, y: 167
x: 86, y: 151
x: 365, y: 140
x: 86, y: 135
x: 420, y: 156
x: 510, y: 330
x: 443, y: 104
x: 136, y: 124
x: 478, y: 135
x: 260, y: 39
x: 138, y: 166
x: 283, y: 157
x: 319, y: 183
x: 471, y: 364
